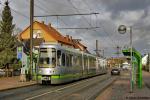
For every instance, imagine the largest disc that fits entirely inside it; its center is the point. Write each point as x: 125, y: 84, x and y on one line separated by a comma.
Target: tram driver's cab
x: 49, y: 59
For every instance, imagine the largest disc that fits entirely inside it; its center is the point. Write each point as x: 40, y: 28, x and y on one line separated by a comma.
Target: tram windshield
x: 47, y: 57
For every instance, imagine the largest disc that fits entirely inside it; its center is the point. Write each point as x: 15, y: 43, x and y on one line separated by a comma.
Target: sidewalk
x: 120, y: 90
x: 13, y: 82
x: 146, y: 78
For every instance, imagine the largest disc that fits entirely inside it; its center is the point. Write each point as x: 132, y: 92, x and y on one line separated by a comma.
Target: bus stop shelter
x: 136, y: 65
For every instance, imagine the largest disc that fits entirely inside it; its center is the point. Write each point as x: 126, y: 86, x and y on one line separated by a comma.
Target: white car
x: 125, y: 67
x: 2, y: 72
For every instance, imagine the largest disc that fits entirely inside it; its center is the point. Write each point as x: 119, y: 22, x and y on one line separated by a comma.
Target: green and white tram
x: 59, y: 64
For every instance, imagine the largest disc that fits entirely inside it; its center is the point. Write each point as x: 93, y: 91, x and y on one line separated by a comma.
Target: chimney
x: 49, y: 25
x: 97, y: 52
x: 71, y: 38
x: 67, y: 36
x: 96, y: 45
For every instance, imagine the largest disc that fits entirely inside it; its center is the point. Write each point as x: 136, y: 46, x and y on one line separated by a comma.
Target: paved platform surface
x: 120, y: 89
x: 13, y: 82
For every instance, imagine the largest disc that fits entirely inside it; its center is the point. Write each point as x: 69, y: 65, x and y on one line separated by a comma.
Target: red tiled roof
x: 54, y: 33
x: 57, y: 36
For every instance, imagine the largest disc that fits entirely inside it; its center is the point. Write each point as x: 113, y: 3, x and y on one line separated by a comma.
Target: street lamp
x: 122, y: 30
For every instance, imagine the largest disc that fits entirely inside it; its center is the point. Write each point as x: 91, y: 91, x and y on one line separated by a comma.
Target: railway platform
x: 120, y: 89
x: 7, y: 83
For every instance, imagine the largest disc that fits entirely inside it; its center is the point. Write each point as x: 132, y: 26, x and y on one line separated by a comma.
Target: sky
x: 112, y: 13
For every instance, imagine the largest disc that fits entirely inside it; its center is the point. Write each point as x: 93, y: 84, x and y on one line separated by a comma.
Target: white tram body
x: 58, y: 64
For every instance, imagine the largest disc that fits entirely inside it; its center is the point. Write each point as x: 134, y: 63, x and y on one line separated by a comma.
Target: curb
x: 11, y: 88
x: 101, y: 90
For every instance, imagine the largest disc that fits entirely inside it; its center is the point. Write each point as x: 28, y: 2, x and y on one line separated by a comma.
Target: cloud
x: 125, y: 5
x: 135, y: 13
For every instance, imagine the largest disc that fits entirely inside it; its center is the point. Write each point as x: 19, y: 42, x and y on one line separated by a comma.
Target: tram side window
x: 58, y: 57
x: 94, y: 62
x: 53, y: 57
x: 99, y: 64
x: 90, y: 62
x: 80, y: 60
x: 75, y: 60
x: 70, y: 59
x: 85, y: 61
x: 63, y: 59
x: 67, y: 60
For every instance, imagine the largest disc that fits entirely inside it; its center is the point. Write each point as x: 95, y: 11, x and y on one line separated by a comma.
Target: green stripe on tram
x: 39, y: 77
x: 65, y: 76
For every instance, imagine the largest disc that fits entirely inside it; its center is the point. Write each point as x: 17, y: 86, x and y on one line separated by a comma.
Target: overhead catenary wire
x: 72, y: 15
x: 96, y: 24
x: 28, y: 17
x: 88, y: 28
x: 102, y: 26
x: 79, y: 14
x: 101, y: 14
x: 87, y: 20
x: 58, y: 15
x: 48, y: 12
x: 82, y: 16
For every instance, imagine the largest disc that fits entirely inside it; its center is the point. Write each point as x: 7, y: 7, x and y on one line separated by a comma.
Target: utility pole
x: 97, y: 50
x: 31, y: 37
x: 132, y: 69
x: 97, y: 47
x: 118, y: 53
x: 148, y: 60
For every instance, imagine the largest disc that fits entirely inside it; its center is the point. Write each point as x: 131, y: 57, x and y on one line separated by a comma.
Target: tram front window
x: 44, y: 61
x: 47, y: 57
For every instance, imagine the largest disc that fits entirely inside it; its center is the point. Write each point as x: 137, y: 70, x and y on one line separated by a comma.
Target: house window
x: 37, y: 34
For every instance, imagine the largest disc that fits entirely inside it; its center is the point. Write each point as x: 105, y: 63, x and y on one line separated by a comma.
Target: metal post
x: 131, y: 73
x: 103, y: 53
x: 31, y: 37
x: 122, y: 30
x: 148, y: 61
x: 97, y: 48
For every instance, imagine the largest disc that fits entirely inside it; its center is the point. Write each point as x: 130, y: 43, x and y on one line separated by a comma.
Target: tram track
x: 25, y: 90
x: 90, y: 92
x: 77, y: 89
x: 53, y: 92
x: 70, y: 87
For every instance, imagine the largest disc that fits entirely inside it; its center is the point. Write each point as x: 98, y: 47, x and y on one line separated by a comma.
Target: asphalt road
x: 79, y: 90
